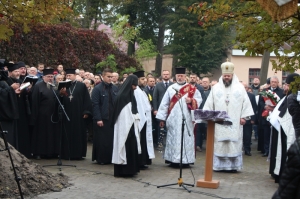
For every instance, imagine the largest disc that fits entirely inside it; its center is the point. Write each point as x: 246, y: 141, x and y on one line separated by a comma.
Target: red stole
x: 188, y: 88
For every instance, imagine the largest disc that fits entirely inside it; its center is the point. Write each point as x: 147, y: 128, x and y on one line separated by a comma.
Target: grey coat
x: 158, y: 94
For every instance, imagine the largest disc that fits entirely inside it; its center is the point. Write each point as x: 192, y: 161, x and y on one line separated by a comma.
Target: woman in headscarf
x: 125, y: 120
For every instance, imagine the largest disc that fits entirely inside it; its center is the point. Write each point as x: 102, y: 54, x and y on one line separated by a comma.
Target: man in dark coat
x: 247, y: 128
x: 78, y: 107
x: 274, y: 81
x: 8, y: 106
x: 45, y: 136
x: 158, y: 94
x: 103, y: 97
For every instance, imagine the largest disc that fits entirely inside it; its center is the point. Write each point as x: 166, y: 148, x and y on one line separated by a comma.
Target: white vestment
x: 286, y: 123
x: 121, y: 129
x: 228, y: 139
x: 144, y: 110
x: 173, y: 124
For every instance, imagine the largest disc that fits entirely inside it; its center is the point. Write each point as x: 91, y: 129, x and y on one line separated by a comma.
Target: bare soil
x: 35, y: 179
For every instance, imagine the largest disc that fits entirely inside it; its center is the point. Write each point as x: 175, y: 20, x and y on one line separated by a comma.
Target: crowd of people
x: 126, y: 117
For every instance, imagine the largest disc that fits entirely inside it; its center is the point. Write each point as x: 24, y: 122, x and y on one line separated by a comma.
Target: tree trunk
x: 264, y: 67
x: 160, y: 43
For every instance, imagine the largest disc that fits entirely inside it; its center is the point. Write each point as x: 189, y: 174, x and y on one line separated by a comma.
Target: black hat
x: 140, y: 73
x: 11, y: 67
x: 291, y: 78
x: 21, y: 64
x: 179, y: 70
x: 269, y: 80
x: 70, y: 71
x: 48, y: 72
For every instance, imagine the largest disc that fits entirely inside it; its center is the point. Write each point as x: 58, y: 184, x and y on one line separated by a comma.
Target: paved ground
x: 91, y: 180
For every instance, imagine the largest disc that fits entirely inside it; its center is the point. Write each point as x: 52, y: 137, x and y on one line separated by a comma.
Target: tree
x: 63, y: 44
x: 198, y: 49
x: 255, y: 30
x: 26, y: 13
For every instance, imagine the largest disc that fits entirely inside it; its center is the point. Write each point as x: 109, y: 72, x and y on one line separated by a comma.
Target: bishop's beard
x: 228, y: 83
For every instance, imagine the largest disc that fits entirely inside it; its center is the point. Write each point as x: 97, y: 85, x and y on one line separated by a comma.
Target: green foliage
x: 255, y: 30
x: 26, y: 13
x: 128, y: 70
x: 295, y: 86
x: 146, y: 50
x: 198, y: 49
x: 109, y: 62
x: 63, y: 44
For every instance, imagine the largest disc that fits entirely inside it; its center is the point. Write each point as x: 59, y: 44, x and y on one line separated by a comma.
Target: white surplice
x: 228, y: 140
x: 287, y: 126
x: 144, y: 110
x: 122, y: 127
x: 173, y: 124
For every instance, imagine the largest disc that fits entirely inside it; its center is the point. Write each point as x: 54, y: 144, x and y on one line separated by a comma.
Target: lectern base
x: 214, y: 184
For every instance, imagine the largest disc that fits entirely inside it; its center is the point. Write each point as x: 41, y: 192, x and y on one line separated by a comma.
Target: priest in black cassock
x: 145, y: 123
x: 103, y: 97
x: 44, y: 118
x: 78, y: 106
x: 8, y: 106
x: 125, y: 120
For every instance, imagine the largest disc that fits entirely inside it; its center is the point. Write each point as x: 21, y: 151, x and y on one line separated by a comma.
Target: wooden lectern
x: 207, y: 182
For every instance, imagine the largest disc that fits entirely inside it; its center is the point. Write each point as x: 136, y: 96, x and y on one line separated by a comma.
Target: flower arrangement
x: 271, y: 99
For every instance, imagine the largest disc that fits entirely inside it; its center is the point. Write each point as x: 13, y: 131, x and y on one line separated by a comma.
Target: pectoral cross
x: 71, y: 97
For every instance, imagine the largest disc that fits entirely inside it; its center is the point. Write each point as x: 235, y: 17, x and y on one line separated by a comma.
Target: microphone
x: 51, y: 84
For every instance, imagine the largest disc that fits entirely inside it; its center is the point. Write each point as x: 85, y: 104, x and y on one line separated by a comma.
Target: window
x: 284, y: 75
x: 253, y: 73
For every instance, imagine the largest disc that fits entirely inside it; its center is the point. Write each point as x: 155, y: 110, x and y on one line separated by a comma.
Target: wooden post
x: 207, y: 182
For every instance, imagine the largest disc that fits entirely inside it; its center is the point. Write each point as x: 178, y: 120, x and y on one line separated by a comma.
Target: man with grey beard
x: 45, y: 136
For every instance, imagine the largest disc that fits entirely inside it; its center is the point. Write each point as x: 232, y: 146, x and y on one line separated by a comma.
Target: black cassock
x: 23, y: 131
x: 45, y: 135
x: 9, y: 112
x: 74, y: 139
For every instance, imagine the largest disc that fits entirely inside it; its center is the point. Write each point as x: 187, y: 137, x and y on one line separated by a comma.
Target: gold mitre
x: 227, y: 67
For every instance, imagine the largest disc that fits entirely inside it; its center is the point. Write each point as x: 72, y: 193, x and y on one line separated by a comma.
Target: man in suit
x: 159, y: 92
x: 247, y: 128
x: 274, y: 82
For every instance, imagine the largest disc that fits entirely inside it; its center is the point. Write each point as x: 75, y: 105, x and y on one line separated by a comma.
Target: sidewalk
x: 91, y: 180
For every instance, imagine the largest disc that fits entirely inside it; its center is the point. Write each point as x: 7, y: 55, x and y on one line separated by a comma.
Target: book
x: 64, y: 84
x: 31, y: 79
x: 24, y: 85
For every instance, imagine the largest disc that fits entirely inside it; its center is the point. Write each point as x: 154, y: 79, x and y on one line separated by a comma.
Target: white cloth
x: 228, y: 140
x: 173, y: 124
x: 144, y: 109
x: 286, y: 123
x: 121, y: 129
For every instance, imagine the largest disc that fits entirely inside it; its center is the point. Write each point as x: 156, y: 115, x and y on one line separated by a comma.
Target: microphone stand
x: 17, y: 178
x: 180, y: 180
x: 60, y: 119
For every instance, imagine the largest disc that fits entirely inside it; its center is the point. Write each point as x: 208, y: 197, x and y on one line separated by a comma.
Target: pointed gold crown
x: 227, y: 67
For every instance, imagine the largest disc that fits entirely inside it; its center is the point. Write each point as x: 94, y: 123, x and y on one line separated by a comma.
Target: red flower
x: 200, y: 23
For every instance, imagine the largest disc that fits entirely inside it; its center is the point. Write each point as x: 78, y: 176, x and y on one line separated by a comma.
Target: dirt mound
x: 35, y: 180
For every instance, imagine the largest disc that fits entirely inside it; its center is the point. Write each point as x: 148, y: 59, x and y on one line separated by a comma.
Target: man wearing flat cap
x: 180, y: 96
x: 78, y: 106
x: 229, y: 95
